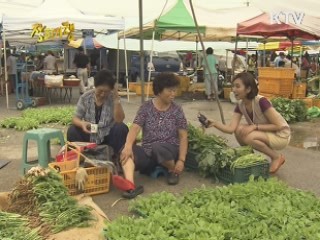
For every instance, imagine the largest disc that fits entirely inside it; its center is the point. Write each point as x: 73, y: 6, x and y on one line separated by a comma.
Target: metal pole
x: 141, y: 50
x: 126, y: 64
x: 118, y: 61
x: 5, y: 67
x: 150, y: 66
x: 206, y: 62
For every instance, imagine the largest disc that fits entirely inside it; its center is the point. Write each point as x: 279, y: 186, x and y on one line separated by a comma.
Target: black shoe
x: 173, y: 178
x: 133, y: 193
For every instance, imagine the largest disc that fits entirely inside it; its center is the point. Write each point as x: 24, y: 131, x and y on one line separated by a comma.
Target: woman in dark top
x: 99, y: 115
x: 164, y: 131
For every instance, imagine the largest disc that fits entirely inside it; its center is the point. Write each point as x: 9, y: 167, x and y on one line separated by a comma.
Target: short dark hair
x: 104, y: 77
x: 248, y: 80
x: 209, y: 50
x: 164, y: 80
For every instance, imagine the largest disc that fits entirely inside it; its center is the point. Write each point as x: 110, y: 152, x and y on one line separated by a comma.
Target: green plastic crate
x: 191, y: 162
x: 241, y: 175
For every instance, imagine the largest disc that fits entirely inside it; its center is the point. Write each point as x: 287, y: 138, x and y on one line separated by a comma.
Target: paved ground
x: 301, y: 170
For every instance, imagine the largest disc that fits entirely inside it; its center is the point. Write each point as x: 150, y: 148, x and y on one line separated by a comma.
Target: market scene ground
x: 301, y: 169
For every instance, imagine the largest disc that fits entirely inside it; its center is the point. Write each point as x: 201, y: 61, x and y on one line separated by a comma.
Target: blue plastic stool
x: 42, y: 136
x: 159, y: 171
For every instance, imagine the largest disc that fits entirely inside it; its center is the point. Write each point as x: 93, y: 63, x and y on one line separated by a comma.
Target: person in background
x: 305, y: 64
x: 11, y: 70
x: 99, y: 115
x: 280, y: 58
x: 222, y: 66
x: 38, y: 61
x: 290, y: 64
x: 81, y: 61
x: 210, y: 84
x: 50, y: 63
x: 165, y: 137
x: 252, y: 64
x: 266, y: 130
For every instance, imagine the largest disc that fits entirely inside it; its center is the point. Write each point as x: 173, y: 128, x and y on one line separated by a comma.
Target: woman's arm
x: 183, y: 144
x: 81, y: 124
x: 231, y: 127
x: 274, y: 124
x: 118, y: 113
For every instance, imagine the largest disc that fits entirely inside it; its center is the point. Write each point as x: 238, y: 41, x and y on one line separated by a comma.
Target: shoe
x: 173, y: 178
x: 276, y: 164
x: 130, y: 194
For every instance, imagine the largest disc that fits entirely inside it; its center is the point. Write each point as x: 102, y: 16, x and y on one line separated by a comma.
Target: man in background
x: 11, y: 70
x: 81, y: 61
x: 50, y: 62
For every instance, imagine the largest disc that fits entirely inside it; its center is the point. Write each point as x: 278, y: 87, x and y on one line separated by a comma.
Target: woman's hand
x: 86, y: 126
x: 245, y: 130
x: 179, y: 166
x: 126, y: 153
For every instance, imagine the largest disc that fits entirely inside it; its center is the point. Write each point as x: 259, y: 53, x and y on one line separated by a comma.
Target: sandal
x: 130, y: 194
x: 276, y: 164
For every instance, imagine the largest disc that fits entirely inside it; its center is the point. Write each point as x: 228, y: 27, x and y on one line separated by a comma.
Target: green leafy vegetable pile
x: 33, y: 117
x: 15, y: 227
x: 293, y: 110
x: 212, y: 151
x: 42, y: 197
x: 256, y: 210
x: 313, y: 112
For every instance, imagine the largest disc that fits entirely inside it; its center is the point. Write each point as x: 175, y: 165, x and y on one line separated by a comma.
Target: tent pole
x: 206, y: 62
x: 150, y: 64
x: 1, y: 82
x: 141, y: 50
x: 196, y: 53
x: 291, y: 50
x: 247, y: 48
x: 234, y: 57
x: 126, y: 64
x: 5, y: 66
x: 118, y: 62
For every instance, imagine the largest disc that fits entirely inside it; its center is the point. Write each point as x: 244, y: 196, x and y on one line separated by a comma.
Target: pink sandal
x: 276, y: 164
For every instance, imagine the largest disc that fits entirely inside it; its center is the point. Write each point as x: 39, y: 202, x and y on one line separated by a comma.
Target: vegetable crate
x: 226, y: 92
x: 191, y: 162
x: 316, y: 102
x: 275, y: 72
x: 299, y: 90
x: 98, y: 177
x: 282, y: 87
x: 308, y: 102
x: 241, y: 175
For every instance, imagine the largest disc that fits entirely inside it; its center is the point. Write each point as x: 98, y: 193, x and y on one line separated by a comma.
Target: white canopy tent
x: 52, y: 13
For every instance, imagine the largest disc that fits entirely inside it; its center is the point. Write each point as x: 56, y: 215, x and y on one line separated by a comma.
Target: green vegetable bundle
x: 15, y: 227
x: 256, y: 210
x: 212, y: 151
x: 248, y: 160
x: 32, y: 117
x: 313, y: 112
x: 42, y: 195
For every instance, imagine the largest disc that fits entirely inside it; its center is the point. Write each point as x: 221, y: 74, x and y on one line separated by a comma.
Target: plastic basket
x: 269, y: 96
x: 270, y: 72
x: 316, y: 102
x: 241, y: 175
x: 191, y: 162
x: 282, y: 87
x: 98, y: 178
x: 299, y: 90
x: 308, y: 102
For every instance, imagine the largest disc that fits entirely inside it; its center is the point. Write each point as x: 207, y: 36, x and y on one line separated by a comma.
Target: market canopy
x: 177, y: 23
x: 20, y: 27
x: 262, y: 25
